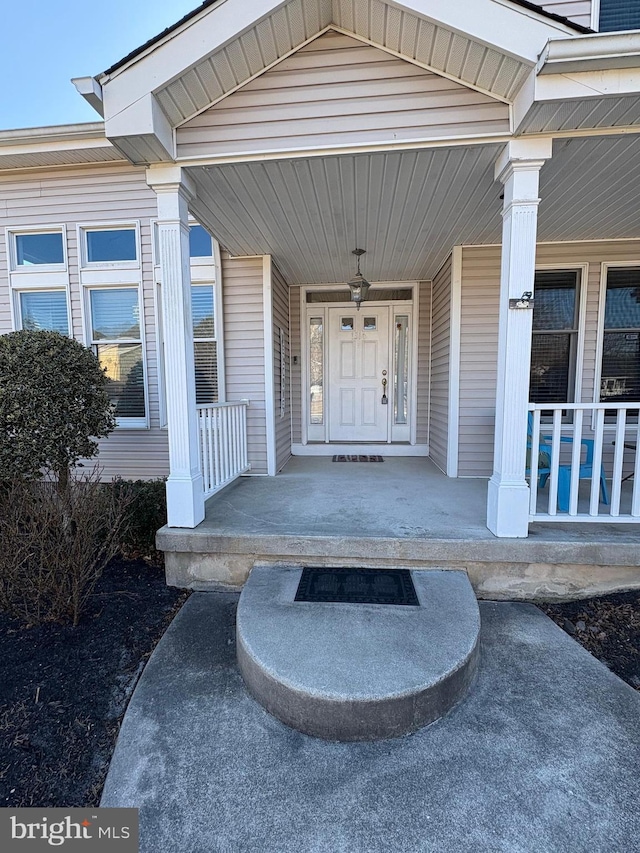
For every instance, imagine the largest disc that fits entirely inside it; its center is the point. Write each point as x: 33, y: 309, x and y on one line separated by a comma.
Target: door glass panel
x: 346, y: 324
x: 369, y: 324
x: 316, y: 370
x: 401, y: 373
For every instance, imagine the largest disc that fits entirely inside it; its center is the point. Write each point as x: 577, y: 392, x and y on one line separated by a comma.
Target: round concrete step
x: 357, y: 671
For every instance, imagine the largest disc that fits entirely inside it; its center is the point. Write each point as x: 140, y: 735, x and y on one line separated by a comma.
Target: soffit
x: 583, y: 114
x: 408, y: 209
x: 393, y: 27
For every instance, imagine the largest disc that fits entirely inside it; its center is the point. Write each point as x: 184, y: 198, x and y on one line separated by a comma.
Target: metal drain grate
x: 357, y: 586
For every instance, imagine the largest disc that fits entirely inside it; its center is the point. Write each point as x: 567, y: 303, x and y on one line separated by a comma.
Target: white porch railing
x: 223, y: 444
x: 574, y: 462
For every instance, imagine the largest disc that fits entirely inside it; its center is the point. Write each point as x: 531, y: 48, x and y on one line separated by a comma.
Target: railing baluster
x: 533, y: 462
x: 555, y: 461
x: 575, y: 462
x: 635, y: 500
x: 618, y: 458
x: 222, y: 435
x: 594, y: 502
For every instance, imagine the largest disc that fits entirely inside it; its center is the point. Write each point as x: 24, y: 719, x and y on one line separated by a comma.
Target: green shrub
x: 53, y: 405
x: 54, y: 545
x: 146, y: 512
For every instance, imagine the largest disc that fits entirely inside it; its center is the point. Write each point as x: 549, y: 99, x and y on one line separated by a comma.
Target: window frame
x: 12, y: 250
x: 605, y: 266
x: 83, y: 228
x: 17, y: 321
x: 203, y: 271
x: 121, y: 422
x: 582, y: 285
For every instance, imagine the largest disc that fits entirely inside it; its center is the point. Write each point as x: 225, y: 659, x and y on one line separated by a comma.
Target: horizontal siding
x: 440, y: 360
x: 336, y: 91
x: 296, y: 369
x: 424, y: 363
x: 479, y: 336
x: 69, y: 196
x: 578, y: 11
x: 242, y: 297
x: 280, y: 296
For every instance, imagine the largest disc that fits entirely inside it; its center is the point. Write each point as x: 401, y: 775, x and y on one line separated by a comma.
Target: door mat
x: 357, y: 586
x: 362, y: 458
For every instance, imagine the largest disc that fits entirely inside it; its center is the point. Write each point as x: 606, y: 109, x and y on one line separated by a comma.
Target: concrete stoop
x: 356, y: 672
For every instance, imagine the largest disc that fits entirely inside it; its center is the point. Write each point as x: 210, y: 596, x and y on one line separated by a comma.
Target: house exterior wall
x: 479, y: 335
x: 440, y: 361
x: 338, y: 90
x: 281, y: 367
x: 95, y: 194
x: 242, y: 298
x: 576, y: 10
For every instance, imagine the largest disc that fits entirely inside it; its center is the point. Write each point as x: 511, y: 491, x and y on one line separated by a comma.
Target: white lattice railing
x: 586, y: 468
x: 223, y: 444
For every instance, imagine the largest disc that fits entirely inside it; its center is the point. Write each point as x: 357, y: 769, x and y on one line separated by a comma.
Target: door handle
x: 384, y: 391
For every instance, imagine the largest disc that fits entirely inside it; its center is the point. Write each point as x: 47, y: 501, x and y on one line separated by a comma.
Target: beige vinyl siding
x: 339, y: 91
x: 101, y: 194
x: 424, y: 363
x: 296, y: 369
x: 576, y: 10
x: 479, y: 336
x: 440, y: 360
x: 243, y: 305
x: 280, y: 296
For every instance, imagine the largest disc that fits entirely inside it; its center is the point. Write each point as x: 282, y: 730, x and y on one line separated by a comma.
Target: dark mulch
x: 63, y: 690
x: 608, y: 627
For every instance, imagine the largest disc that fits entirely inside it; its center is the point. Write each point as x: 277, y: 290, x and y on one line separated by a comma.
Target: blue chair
x: 564, y: 471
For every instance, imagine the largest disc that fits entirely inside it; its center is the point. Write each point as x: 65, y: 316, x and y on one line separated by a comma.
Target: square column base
x: 185, y: 501
x: 508, y: 509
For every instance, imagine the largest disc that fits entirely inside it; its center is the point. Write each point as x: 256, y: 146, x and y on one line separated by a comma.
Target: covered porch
x: 400, y: 512
x: 416, y: 134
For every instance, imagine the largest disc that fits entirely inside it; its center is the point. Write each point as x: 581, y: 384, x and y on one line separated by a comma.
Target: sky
x: 44, y: 43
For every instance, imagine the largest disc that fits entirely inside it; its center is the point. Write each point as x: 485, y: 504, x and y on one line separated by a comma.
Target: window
x: 116, y: 338
x: 41, y: 249
x: 555, y: 337
x: 619, y: 15
x: 110, y: 245
x: 204, y: 344
x: 200, y: 243
x: 620, y: 373
x: 43, y: 310
x: 316, y: 370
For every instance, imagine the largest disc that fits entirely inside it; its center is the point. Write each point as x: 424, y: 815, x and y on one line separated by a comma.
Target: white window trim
x: 124, y: 225
x: 595, y: 15
x: 583, y: 284
x: 16, y: 308
x: 121, y: 423
x: 604, y: 270
x: 211, y: 275
x: 12, y: 232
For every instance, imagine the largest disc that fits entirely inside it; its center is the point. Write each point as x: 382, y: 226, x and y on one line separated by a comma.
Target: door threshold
x: 323, y: 449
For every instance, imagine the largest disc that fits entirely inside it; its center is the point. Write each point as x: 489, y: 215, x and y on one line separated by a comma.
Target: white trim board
x: 455, y: 335
x: 269, y: 380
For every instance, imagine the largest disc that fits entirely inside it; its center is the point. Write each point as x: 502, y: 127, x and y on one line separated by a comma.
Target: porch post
x: 185, y: 492
x: 518, y: 168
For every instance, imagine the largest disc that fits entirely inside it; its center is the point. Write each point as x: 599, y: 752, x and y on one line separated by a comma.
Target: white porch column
x: 518, y: 168
x: 185, y: 493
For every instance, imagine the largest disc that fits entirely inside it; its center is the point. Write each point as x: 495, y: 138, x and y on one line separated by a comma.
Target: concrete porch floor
x: 400, y: 512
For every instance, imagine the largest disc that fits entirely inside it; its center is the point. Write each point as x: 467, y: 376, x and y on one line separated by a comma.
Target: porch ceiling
x: 407, y: 209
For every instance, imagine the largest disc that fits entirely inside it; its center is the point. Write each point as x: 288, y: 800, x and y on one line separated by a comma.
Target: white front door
x: 358, y: 364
